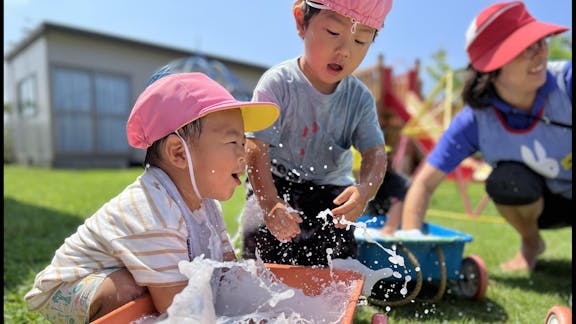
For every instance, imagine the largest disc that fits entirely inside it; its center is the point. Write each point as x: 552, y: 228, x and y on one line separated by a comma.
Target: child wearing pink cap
x: 518, y: 115
x: 192, y: 130
x: 325, y: 110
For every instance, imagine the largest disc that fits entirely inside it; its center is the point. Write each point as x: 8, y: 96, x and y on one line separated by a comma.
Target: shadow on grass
x: 549, y: 277
x: 450, y: 308
x: 31, y: 236
x: 555, y: 268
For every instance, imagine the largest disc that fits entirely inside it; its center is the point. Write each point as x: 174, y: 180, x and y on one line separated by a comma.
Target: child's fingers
x: 343, y: 197
x: 284, y: 225
x: 295, y: 217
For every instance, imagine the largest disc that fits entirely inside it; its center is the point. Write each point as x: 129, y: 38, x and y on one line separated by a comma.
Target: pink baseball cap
x: 367, y: 12
x: 501, y: 32
x: 178, y: 99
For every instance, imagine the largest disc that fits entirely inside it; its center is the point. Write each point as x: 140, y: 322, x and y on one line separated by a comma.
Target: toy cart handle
x: 442, y: 287
x: 418, y: 287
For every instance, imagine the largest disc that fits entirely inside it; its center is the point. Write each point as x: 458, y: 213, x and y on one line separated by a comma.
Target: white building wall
x: 32, y: 135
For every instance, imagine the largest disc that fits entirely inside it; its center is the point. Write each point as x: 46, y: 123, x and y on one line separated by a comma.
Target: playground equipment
x: 428, y: 122
x: 434, y: 258
x: 309, y: 280
x: 413, y: 125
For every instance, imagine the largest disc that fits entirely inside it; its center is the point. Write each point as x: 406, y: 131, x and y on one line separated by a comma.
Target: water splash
x: 250, y: 293
x: 362, y: 227
x: 371, y: 276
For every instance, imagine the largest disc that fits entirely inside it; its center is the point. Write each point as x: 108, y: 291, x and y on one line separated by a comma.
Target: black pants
x: 513, y: 183
x: 309, y: 248
x: 393, y: 188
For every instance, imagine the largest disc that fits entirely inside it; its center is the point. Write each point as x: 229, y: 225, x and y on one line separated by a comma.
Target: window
x: 27, y: 97
x: 90, y: 111
x: 73, y: 98
x: 112, y: 107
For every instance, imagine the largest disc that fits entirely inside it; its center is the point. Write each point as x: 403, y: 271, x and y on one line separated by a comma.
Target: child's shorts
x: 70, y: 302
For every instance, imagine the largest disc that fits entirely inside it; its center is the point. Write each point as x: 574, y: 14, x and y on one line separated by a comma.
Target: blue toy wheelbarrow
x: 435, y: 257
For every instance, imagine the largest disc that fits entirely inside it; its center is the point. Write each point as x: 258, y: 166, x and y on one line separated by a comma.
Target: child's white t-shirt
x: 147, y: 229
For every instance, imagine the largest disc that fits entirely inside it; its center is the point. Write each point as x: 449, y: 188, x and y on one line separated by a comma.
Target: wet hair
x: 310, y: 12
x: 478, y: 87
x: 189, y: 132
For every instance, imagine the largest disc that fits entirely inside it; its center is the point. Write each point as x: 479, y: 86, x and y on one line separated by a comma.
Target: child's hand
x: 352, y: 202
x: 283, y: 223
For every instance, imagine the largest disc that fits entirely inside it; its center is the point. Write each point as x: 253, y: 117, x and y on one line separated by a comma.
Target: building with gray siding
x: 72, y: 90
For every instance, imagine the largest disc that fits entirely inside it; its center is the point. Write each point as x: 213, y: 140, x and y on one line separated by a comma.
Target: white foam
x: 251, y: 293
x: 248, y: 293
x: 371, y: 276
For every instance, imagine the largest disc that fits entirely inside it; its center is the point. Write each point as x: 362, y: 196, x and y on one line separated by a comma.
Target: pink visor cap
x: 178, y: 99
x: 367, y: 12
x: 501, y: 32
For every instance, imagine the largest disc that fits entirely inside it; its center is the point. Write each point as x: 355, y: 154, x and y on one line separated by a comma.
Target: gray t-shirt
x: 313, y: 135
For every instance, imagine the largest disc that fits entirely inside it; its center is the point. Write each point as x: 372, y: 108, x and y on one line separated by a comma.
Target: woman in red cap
x: 518, y: 116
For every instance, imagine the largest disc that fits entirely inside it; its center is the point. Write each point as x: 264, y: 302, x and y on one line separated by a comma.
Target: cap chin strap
x: 321, y: 6
x: 190, y: 167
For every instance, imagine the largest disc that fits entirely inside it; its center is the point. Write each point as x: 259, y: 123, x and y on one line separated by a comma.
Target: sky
x: 263, y: 32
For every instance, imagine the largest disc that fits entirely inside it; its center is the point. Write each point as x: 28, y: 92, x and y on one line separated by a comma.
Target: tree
x: 560, y: 48
x: 440, y: 70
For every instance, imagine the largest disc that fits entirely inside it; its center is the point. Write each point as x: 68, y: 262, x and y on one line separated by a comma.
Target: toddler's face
x: 219, y: 157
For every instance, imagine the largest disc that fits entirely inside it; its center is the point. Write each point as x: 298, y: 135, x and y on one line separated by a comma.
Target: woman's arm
x: 418, y: 196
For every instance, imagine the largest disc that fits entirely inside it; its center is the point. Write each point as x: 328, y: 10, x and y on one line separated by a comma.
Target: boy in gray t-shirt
x: 324, y: 111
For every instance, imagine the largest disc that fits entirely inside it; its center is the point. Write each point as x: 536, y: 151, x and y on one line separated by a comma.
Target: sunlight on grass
x: 42, y: 207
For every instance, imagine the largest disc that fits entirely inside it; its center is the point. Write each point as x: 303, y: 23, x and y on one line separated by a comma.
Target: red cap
x: 501, y: 32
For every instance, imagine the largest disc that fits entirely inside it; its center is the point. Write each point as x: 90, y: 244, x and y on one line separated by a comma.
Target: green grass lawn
x: 42, y: 207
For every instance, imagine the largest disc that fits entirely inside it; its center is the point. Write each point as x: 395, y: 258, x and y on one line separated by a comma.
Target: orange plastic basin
x: 309, y: 280
x: 312, y: 280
